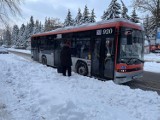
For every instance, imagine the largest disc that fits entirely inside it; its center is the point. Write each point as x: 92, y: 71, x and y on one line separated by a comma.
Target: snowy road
x: 32, y: 91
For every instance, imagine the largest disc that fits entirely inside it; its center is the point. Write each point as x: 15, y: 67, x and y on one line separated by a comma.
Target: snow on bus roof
x: 91, y: 24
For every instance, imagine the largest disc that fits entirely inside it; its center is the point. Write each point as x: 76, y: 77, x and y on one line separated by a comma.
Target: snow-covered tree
x: 68, y: 21
x: 14, y: 36
x: 52, y: 23
x: 37, y: 27
x: 9, y: 9
x: 30, y: 27
x: 46, y: 25
x: 124, y: 11
x: 21, y: 35
x: 7, y: 37
x: 134, y: 16
x: 78, y: 19
x: 113, y: 11
x: 93, y: 16
x: 149, y: 25
x: 104, y: 16
x: 86, y: 15
x: 41, y: 27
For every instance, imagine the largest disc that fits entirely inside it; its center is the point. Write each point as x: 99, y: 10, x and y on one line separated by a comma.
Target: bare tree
x: 145, y: 5
x: 153, y: 8
x: 9, y: 8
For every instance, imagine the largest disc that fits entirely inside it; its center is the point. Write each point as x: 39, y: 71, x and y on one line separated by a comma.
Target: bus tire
x: 81, y: 68
x: 44, y: 60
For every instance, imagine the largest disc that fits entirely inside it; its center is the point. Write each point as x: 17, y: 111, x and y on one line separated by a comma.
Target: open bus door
x: 57, y: 51
x: 103, y: 58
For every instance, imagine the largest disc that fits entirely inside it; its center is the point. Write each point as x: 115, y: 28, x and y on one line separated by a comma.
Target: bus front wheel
x: 82, y: 68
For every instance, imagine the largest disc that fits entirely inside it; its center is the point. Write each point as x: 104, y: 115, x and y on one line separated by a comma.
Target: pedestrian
x: 65, y: 57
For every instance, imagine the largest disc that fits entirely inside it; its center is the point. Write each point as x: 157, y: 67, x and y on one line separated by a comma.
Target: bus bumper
x: 126, y: 77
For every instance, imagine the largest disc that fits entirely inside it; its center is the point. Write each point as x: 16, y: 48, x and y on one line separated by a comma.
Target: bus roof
x: 92, y: 26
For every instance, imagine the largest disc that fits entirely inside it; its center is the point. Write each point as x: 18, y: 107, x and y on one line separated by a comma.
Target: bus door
x: 35, y: 49
x: 107, y: 47
x: 57, y: 51
x: 103, y: 58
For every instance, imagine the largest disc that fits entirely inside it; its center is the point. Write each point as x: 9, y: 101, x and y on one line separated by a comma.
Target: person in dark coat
x: 66, y: 61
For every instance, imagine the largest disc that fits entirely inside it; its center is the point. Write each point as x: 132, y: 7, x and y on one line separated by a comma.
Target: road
x: 149, y: 82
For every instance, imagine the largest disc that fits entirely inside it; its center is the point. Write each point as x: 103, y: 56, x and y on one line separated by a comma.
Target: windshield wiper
x: 142, y: 61
x: 123, y: 61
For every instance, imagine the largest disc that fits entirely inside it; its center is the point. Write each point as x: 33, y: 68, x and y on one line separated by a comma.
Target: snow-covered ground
x: 152, y: 67
x: 154, y: 57
x: 20, y: 50
x: 152, y: 63
x: 31, y: 91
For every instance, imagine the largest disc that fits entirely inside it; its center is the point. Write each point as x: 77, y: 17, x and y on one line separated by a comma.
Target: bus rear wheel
x: 82, y: 68
x: 44, y: 60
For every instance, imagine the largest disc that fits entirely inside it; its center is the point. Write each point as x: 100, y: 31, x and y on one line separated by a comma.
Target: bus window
x: 50, y: 43
x: 83, y: 49
x: 133, y: 50
x: 109, y: 47
x: 42, y: 43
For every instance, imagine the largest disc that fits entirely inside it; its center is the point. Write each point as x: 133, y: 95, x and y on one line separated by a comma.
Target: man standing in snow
x: 65, y: 57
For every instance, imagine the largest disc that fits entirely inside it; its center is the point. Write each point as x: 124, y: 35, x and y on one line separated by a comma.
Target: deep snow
x: 31, y: 91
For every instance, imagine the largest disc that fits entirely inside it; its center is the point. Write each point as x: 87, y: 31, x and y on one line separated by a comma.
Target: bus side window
x: 73, y: 48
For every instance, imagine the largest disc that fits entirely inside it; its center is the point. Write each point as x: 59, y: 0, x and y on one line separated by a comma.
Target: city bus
x: 107, y: 50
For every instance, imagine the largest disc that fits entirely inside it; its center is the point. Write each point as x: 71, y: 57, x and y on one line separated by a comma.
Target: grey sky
x: 40, y: 9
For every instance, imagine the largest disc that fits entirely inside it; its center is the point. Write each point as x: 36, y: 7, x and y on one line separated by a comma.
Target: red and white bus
x: 109, y: 50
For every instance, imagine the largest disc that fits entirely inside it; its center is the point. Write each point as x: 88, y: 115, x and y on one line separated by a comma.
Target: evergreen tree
x: 30, y: 27
x: 41, y: 27
x: 134, y: 17
x: 113, y: 11
x: 26, y: 35
x: 86, y: 15
x: 124, y: 11
x: 68, y: 21
x: 7, y: 37
x: 103, y: 16
x: 37, y: 27
x: 78, y: 19
x: 15, y: 36
x: 21, y: 35
x: 46, y: 27
x: 92, y: 18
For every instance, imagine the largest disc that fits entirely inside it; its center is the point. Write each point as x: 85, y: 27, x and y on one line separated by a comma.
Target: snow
x: 146, y: 43
x: 152, y: 67
x: 32, y: 91
x: 152, y: 57
x: 20, y: 50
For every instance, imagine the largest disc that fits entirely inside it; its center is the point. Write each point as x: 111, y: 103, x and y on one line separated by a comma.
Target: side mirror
x: 129, y: 37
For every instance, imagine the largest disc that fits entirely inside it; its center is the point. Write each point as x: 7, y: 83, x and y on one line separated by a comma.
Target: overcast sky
x: 40, y: 9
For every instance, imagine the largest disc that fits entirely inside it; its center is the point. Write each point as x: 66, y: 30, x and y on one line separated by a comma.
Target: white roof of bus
x: 94, y: 24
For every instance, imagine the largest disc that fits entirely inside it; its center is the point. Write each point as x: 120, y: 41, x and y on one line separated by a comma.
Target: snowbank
x: 32, y: 91
x: 152, y: 57
x: 20, y: 50
x: 152, y: 67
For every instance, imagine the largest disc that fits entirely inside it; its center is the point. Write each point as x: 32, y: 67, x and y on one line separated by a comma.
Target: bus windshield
x: 131, y: 45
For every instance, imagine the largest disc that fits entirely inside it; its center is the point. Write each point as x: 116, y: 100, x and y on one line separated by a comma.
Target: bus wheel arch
x: 81, y: 68
x: 44, y: 60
